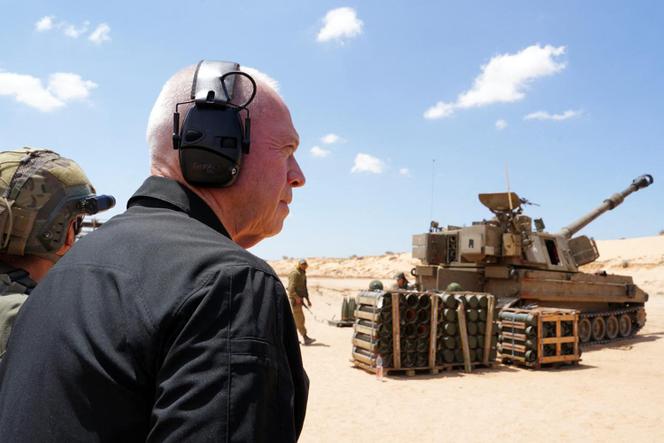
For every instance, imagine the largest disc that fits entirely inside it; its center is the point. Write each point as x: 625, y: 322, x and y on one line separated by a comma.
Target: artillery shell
x: 450, y: 314
x: 424, y: 302
x: 450, y: 342
x: 472, y: 328
x: 479, y: 354
x: 471, y: 314
x: 448, y: 356
x: 472, y: 342
x: 450, y: 328
x: 473, y: 301
x: 450, y: 301
x: 409, y: 330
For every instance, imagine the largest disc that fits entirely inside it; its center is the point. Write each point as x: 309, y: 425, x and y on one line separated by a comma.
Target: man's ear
x: 69, y: 239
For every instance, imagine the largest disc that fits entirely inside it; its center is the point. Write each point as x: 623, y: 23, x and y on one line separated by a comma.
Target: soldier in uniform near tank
x: 43, y: 198
x: 297, y: 294
x: 401, y: 282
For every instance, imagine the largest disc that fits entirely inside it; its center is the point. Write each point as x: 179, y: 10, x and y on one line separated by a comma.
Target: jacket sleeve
x: 228, y: 369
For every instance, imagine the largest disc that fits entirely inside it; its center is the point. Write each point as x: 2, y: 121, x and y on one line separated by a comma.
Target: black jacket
x: 155, y: 327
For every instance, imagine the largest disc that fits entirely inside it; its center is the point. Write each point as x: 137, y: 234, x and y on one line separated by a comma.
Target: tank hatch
x: 500, y: 201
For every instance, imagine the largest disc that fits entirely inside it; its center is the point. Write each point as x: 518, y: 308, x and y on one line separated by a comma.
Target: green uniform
x: 297, y: 292
x: 15, y: 285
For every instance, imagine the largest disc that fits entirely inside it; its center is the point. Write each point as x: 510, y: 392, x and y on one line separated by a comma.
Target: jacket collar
x: 167, y: 193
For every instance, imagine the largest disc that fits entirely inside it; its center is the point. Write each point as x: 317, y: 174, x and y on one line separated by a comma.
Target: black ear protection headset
x: 212, y: 139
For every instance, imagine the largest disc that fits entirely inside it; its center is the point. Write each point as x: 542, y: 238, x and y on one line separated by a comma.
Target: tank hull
x: 603, y: 300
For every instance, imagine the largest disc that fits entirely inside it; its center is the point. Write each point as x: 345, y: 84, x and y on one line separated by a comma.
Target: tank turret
x: 516, y: 259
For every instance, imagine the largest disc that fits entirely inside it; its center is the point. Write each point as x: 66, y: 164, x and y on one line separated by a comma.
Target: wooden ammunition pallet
x: 409, y: 372
x: 368, y: 364
x: 544, y: 315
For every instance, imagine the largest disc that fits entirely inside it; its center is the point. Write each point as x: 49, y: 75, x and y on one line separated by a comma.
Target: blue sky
x: 568, y: 94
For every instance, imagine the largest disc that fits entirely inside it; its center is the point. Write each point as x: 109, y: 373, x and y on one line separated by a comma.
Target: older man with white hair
x: 160, y: 326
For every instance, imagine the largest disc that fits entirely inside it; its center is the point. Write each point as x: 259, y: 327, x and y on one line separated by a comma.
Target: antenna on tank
x: 433, y: 177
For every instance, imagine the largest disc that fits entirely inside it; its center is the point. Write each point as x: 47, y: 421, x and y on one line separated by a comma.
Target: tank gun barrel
x: 608, y: 204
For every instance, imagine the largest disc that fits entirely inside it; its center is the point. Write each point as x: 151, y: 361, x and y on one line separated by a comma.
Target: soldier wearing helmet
x: 43, y: 199
x: 401, y: 282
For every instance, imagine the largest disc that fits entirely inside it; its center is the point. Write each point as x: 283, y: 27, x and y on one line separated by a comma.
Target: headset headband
x: 207, y: 89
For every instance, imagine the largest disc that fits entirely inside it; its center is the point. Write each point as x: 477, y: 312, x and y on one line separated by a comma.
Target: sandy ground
x: 615, y: 394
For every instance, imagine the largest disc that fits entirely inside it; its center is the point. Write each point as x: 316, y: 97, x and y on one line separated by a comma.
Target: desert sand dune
x: 615, y: 394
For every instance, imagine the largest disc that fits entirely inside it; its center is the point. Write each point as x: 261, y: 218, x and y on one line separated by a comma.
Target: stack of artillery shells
x: 518, y: 335
x: 448, y: 344
x: 414, y: 329
x: 522, y: 342
x: 372, y: 331
x: 348, y: 307
x: 475, y: 309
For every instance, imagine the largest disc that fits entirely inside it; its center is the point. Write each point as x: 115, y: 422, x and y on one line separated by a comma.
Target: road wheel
x: 625, y: 325
x: 612, y: 327
x: 598, y: 328
x: 584, y: 330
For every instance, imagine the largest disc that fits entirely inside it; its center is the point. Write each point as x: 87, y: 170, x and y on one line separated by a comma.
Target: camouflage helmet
x: 376, y: 285
x: 454, y: 287
x: 40, y: 194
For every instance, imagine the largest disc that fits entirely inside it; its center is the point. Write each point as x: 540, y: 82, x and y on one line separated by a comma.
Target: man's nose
x: 295, y: 175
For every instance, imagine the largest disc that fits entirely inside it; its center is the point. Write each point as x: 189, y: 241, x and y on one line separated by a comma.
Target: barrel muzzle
x: 643, y: 181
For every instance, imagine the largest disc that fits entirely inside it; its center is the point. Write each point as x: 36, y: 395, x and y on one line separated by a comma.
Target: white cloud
x: 504, y: 79
x: 317, y: 151
x: 439, y: 110
x: 75, y: 32
x: 68, y: 86
x: 44, y: 24
x: 340, y: 23
x: 29, y: 90
x: 501, y: 124
x: 543, y: 115
x: 368, y: 163
x: 331, y: 139
x: 405, y: 172
x: 101, y: 34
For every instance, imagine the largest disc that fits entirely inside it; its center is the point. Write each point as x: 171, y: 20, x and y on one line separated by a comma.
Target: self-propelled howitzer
x: 523, y: 266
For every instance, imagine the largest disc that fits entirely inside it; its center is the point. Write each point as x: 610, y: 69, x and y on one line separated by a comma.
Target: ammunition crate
x: 539, y: 337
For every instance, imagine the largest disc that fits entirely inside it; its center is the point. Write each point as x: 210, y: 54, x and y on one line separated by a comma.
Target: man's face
x: 268, y: 175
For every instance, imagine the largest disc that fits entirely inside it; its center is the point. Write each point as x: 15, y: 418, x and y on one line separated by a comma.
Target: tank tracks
x: 634, y: 327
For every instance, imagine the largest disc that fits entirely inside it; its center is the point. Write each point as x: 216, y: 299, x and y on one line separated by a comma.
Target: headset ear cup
x: 208, y: 168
